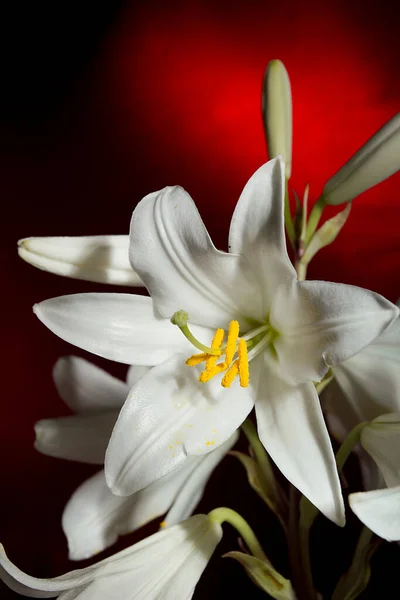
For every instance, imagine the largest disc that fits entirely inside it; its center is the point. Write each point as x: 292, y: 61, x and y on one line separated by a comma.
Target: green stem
x: 259, y: 451
x: 288, y: 218
x: 308, y: 512
x: 314, y: 218
x: 345, y: 449
x: 301, y: 270
x: 227, y: 515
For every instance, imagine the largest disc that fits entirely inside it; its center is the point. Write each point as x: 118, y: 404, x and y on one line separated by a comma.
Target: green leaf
x: 354, y: 582
x: 263, y: 574
x: 326, y: 234
x: 255, y: 478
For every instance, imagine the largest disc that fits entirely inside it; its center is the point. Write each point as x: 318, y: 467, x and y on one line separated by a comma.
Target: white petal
x: 168, y: 562
x: 167, y: 415
x: 192, y: 489
x: 94, y: 517
x: 382, y: 441
x: 376, y: 368
x: 182, y: 269
x: 135, y: 372
x: 322, y: 324
x: 100, y: 258
x: 83, y: 438
x: 86, y: 388
x: 257, y: 230
x: 380, y: 511
x: 120, y: 327
x: 292, y: 429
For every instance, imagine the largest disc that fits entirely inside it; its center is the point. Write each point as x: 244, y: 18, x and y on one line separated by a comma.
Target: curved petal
x: 86, y: 388
x: 171, y: 250
x: 258, y: 231
x: 193, y: 487
x: 134, y: 373
x: 120, y: 327
x: 169, y: 414
x: 371, y: 379
x: 83, y: 438
x: 167, y: 562
x: 380, y: 511
x: 381, y: 439
x: 292, y: 429
x: 322, y: 324
x: 100, y: 258
x: 94, y: 517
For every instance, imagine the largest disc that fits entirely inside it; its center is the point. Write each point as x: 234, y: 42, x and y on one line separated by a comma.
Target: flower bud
x: 277, y: 113
x: 377, y: 159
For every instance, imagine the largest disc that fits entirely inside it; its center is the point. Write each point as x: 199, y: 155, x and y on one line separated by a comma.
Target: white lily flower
x: 100, y: 258
x: 376, y: 160
x: 293, y: 332
x: 167, y: 564
x: 365, y: 387
x: 380, y: 509
x: 93, y: 517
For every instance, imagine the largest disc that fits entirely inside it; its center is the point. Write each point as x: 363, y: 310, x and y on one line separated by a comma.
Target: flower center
x: 236, y: 353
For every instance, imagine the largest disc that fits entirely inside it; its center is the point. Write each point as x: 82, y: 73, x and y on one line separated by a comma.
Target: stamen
x: 196, y: 359
x: 216, y: 345
x: 230, y: 375
x: 180, y: 319
x: 207, y: 375
x: 233, y: 334
x: 244, y: 374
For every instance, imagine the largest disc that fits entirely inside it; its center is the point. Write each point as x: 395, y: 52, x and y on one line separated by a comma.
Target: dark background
x: 102, y: 103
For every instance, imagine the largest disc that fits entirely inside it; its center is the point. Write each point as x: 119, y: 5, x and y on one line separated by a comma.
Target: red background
x: 103, y: 104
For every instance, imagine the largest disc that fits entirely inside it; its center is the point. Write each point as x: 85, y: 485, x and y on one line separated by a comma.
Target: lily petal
x: 135, y: 372
x: 168, y: 564
x: 86, y: 388
x: 257, y: 229
x: 94, y: 517
x: 120, y: 327
x: 380, y: 511
x: 167, y: 415
x: 83, y: 438
x: 100, y: 258
x: 292, y: 429
x: 381, y: 439
x: 322, y: 324
x: 193, y: 487
x: 172, y: 250
x: 375, y: 368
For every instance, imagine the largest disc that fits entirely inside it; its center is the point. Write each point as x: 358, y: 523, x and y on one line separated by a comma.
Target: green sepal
x: 263, y: 574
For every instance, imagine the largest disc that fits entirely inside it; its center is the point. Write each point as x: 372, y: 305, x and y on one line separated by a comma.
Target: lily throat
x: 236, y: 353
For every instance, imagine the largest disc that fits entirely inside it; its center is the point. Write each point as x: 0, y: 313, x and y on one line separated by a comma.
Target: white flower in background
x: 365, y: 387
x: 380, y: 509
x: 94, y: 518
x: 165, y: 565
x: 100, y: 258
x: 376, y: 160
x: 285, y: 335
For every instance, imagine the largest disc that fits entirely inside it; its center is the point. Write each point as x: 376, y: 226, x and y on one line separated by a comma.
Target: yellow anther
x: 244, y: 373
x: 230, y: 375
x: 163, y: 524
x: 215, y: 345
x: 196, y: 359
x: 233, y: 334
x: 207, y: 375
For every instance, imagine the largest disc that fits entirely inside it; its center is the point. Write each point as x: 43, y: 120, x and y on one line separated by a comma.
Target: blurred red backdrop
x: 101, y: 105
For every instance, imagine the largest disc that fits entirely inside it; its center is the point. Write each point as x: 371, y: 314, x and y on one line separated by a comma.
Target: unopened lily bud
x: 277, y: 113
x: 377, y: 160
